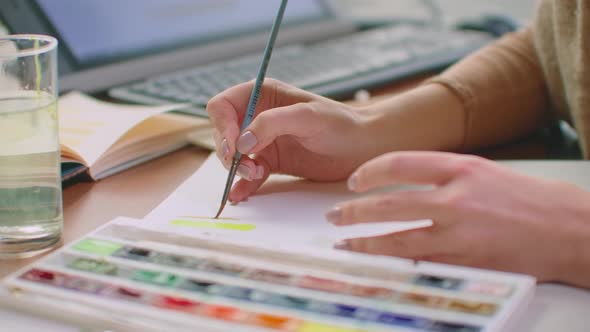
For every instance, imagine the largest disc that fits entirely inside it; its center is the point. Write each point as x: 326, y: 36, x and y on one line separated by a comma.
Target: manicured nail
x: 244, y: 172
x: 334, y: 215
x: 343, y: 245
x: 259, y: 172
x: 352, y: 182
x: 246, y: 142
x: 225, y: 149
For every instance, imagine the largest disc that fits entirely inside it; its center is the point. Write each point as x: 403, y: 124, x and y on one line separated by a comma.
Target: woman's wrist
x: 429, y: 117
x: 575, y: 266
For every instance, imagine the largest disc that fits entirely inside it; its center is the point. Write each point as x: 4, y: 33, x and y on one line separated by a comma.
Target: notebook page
x: 89, y: 127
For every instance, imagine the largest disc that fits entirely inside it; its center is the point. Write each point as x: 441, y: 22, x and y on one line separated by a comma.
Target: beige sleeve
x: 502, y: 90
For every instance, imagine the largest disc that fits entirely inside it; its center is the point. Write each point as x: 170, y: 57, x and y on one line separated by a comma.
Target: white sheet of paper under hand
x: 287, y: 212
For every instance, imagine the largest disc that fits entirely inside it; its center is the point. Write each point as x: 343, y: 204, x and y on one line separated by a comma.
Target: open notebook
x: 101, y: 138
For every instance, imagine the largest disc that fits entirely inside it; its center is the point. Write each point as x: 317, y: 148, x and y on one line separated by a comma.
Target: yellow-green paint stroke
x: 213, y: 225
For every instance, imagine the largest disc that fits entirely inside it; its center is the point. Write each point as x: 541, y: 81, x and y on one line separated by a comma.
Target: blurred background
x: 451, y: 11
x: 331, y: 47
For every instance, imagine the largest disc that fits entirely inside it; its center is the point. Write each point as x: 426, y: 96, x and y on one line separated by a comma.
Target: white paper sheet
x: 286, y: 212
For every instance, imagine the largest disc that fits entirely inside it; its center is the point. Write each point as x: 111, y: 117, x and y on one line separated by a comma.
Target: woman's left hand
x: 484, y: 215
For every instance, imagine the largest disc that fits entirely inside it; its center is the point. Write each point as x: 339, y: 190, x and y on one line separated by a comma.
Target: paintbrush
x: 253, y: 101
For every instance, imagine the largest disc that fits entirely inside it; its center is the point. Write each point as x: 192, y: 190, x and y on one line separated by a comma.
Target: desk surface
x: 89, y: 205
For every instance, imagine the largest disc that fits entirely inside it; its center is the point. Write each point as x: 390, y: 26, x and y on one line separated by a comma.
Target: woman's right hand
x: 293, y: 132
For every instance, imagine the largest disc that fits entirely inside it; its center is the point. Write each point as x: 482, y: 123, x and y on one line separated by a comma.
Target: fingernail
x: 352, y: 182
x: 259, y: 172
x: 233, y: 200
x: 334, y: 215
x: 343, y: 245
x: 225, y: 149
x: 246, y: 142
x: 244, y: 172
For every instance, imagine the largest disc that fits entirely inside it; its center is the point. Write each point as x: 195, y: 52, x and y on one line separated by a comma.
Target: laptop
x: 162, y: 51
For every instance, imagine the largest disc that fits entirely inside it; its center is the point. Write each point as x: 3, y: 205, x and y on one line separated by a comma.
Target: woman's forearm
x: 429, y: 117
x: 578, y: 273
x: 573, y: 235
x: 494, y: 96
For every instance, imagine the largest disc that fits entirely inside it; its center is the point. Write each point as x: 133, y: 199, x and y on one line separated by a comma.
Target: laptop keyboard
x: 335, y: 68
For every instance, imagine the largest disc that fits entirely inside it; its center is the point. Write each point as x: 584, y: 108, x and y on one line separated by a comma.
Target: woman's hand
x: 293, y: 132
x: 484, y: 215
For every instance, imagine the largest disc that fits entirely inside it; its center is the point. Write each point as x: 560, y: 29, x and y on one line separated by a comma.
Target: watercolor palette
x: 129, y: 278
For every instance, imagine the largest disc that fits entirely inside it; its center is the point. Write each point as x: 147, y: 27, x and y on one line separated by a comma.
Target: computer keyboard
x: 334, y: 68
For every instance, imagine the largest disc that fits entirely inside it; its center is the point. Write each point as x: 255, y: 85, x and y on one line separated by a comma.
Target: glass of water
x: 31, y: 216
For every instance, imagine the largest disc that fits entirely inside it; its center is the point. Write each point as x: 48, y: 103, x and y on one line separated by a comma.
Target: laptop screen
x: 98, y: 31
